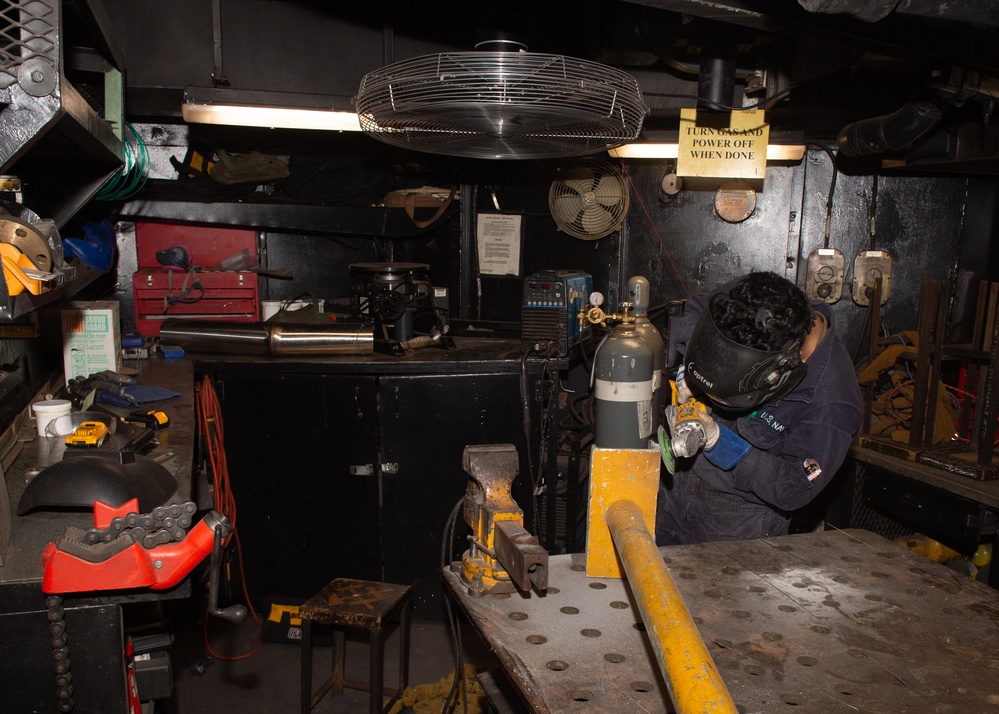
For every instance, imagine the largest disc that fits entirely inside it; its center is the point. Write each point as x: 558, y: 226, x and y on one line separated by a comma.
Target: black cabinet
x: 297, y: 447
x: 347, y: 470
x: 426, y: 422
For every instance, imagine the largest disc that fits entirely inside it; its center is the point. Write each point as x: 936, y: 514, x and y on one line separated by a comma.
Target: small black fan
x: 589, y: 200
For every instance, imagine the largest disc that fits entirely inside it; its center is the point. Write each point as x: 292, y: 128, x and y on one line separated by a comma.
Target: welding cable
x: 448, y: 555
x: 209, y: 416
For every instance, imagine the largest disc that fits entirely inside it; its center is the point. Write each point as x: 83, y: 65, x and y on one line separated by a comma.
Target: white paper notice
x: 498, y: 239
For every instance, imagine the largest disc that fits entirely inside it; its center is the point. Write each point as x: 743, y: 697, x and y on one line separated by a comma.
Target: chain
x: 60, y: 652
x: 163, y: 525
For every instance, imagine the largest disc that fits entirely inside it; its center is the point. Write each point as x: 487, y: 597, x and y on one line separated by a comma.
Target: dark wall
x: 683, y: 247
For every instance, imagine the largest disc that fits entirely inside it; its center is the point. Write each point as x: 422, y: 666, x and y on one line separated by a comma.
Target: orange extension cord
x: 209, y: 415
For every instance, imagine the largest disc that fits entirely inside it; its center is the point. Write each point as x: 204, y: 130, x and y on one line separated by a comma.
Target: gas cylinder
x: 638, y: 292
x: 622, y: 368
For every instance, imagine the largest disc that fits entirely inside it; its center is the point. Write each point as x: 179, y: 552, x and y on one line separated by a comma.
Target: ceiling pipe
x: 891, y: 132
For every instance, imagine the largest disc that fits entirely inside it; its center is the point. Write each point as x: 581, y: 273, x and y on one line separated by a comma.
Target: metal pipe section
x: 691, y: 676
x: 269, y: 339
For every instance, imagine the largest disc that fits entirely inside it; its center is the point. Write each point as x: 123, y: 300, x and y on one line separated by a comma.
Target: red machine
x: 127, y: 550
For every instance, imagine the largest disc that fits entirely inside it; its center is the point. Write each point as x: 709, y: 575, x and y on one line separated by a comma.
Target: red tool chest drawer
x: 209, y: 295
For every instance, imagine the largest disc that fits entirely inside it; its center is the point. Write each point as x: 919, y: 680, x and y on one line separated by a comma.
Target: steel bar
x: 691, y: 677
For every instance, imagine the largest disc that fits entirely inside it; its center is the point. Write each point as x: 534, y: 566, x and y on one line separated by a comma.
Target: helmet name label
x: 700, y: 377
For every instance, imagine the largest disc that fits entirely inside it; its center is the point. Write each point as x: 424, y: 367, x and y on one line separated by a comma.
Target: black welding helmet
x: 734, y: 376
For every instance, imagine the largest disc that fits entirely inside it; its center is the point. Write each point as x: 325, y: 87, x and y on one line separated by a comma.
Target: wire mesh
x: 501, y: 105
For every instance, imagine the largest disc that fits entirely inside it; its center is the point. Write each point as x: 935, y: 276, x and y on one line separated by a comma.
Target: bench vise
x: 503, y: 557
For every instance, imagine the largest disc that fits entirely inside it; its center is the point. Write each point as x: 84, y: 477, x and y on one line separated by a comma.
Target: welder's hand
x: 683, y: 393
x: 711, y: 431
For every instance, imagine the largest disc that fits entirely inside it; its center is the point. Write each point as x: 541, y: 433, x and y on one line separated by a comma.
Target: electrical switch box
x: 825, y: 275
x: 868, y: 267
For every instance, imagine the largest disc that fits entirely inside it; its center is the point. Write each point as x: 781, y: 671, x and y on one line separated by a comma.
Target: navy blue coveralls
x: 797, y: 445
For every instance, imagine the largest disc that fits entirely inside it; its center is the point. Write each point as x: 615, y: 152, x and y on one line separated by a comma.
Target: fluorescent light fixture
x: 666, y: 150
x: 276, y: 110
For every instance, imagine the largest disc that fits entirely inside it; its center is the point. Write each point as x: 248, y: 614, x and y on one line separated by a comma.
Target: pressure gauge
x: 596, y: 299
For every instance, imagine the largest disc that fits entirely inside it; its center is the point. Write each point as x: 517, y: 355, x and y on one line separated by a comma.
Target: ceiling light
x: 276, y: 110
x: 667, y: 150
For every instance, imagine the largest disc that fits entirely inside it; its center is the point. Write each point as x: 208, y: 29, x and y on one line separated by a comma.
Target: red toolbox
x: 201, y: 292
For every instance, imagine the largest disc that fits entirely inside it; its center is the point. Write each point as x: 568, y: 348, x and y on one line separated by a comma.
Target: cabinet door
x: 426, y: 422
x: 301, y: 452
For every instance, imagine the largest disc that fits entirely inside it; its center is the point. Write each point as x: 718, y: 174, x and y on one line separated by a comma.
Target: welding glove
x: 723, y: 447
x: 683, y: 393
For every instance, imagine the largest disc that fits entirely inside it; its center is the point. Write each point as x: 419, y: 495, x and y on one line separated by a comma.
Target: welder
x: 781, y: 408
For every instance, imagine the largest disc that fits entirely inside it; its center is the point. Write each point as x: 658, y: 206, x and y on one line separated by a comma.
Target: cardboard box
x: 91, y: 338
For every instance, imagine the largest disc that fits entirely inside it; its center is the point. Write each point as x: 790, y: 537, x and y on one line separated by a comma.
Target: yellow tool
x: 19, y: 272
x: 89, y: 433
x: 687, y: 426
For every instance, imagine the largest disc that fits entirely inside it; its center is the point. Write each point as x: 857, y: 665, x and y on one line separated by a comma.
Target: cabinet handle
x: 357, y: 402
x: 397, y: 402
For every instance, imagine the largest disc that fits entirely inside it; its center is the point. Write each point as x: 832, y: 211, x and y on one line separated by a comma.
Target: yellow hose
x: 691, y: 676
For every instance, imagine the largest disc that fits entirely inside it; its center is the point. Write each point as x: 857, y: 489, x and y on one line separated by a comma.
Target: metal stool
x: 361, y: 604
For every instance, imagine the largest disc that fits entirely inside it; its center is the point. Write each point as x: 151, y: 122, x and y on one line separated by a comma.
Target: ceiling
x: 815, y: 65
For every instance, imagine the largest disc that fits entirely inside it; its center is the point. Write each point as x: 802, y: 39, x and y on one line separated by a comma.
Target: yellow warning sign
x: 736, y: 151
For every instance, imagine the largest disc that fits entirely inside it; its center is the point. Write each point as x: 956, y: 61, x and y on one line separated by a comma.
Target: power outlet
x: 869, y: 266
x: 826, y: 267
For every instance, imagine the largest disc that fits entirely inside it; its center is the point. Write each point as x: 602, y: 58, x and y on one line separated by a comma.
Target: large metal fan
x: 590, y: 200
x: 501, y: 105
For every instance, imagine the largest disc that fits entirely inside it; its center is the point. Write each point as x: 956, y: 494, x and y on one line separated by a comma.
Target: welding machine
x: 553, y: 300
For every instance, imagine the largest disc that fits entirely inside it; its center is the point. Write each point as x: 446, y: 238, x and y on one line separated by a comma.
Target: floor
x: 268, y: 682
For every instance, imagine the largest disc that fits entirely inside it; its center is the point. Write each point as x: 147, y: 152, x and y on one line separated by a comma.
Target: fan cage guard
x: 590, y: 200
x: 501, y: 105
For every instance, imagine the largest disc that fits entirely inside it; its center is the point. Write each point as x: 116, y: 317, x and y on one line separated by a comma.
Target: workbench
x: 818, y: 623
x: 94, y: 620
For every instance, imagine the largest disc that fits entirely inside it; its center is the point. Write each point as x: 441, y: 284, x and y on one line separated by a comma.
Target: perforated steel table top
x: 817, y: 623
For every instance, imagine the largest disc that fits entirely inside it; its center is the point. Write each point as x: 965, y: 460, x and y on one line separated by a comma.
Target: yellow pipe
x: 691, y: 676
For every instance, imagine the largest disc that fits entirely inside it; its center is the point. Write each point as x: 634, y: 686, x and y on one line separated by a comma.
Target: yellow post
x: 691, y: 676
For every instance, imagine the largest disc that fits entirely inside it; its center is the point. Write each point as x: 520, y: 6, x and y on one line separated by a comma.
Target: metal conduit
x: 691, y: 676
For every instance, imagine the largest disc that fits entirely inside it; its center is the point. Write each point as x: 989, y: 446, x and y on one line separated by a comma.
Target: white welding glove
x: 683, y: 393
x: 711, y: 431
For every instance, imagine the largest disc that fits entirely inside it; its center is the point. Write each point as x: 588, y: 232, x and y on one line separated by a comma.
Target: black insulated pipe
x: 716, y: 80
x: 891, y: 132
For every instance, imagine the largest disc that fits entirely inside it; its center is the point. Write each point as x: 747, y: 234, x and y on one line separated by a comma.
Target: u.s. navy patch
x: 812, y: 469
x: 771, y: 421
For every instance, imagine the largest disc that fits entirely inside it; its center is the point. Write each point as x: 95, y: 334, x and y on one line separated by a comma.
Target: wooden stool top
x: 355, y: 603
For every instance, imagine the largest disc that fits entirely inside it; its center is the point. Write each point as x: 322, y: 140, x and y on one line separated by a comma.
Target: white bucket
x: 48, y: 410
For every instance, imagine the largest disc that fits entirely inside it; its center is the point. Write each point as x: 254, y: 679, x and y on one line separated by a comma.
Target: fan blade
x: 565, y: 208
x: 579, y: 185
x: 598, y: 221
x: 609, y: 190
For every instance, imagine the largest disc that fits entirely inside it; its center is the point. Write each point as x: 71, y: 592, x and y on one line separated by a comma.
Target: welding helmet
x: 734, y: 376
